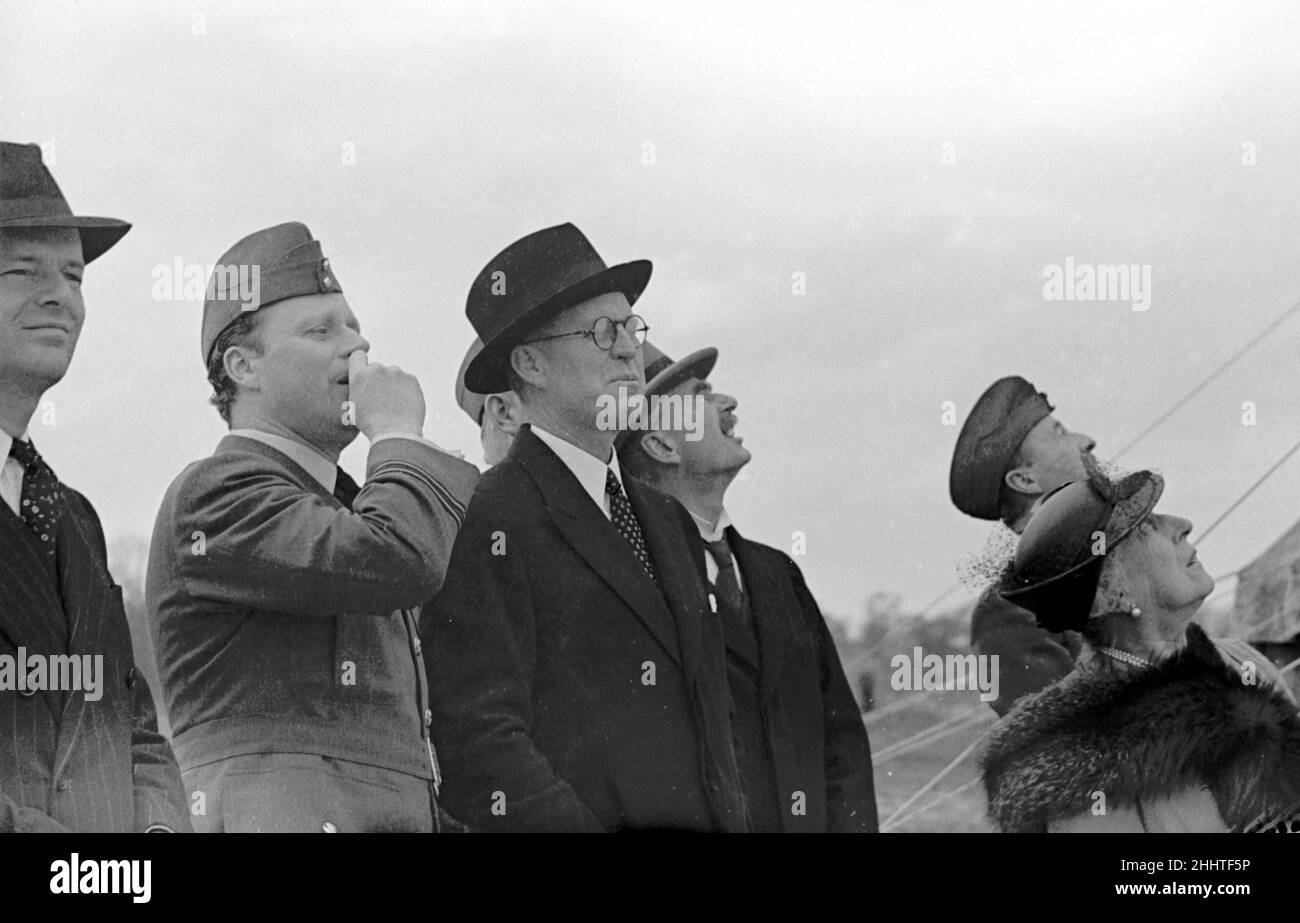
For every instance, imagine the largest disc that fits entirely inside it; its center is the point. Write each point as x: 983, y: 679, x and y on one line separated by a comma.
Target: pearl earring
x: 1135, y: 612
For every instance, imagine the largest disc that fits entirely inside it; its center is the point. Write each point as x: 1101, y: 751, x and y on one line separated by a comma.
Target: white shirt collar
x: 588, y: 469
x: 7, y: 442
x: 712, y: 534
x: 310, y: 460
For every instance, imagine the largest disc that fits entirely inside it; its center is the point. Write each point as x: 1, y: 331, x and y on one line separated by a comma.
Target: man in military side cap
x: 498, y: 416
x: 1012, y: 451
x: 86, y: 756
x: 284, y: 598
x: 802, y: 749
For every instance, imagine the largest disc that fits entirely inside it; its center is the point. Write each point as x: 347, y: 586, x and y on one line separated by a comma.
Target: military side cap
x: 988, y: 443
x: 273, y: 264
x: 470, y: 401
x: 30, y: 198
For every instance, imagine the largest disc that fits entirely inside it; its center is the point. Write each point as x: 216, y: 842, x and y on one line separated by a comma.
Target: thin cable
x: 951, y: 720
x: 920, y: 741
x: 940, y: 598
x: 872, y: 717
x: 946, y: 796
x: 933, y: 782
x: 1211, y: 377
x: 1250, y: 490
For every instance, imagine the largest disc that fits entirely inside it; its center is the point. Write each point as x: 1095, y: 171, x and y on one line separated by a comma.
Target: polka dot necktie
x: 621, y: 512
x: 42, y: 501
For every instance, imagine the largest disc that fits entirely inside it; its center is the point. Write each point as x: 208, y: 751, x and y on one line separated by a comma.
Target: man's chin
x: 43, y: 374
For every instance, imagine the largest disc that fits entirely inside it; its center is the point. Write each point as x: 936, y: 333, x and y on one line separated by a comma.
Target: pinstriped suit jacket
x: 67, y: 763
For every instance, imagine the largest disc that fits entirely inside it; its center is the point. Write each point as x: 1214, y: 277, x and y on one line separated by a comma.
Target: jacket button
x: 130, y: 678
x: 428, y: 717
x: 327, y: 827
x: 64, y: 785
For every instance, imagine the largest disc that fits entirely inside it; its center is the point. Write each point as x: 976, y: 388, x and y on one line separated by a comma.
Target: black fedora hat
x: 1058, y: 561
x: 29, y: 198
x: 531, y: 280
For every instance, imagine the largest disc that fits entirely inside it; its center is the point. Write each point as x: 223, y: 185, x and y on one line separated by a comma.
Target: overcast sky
x: 919, y: 165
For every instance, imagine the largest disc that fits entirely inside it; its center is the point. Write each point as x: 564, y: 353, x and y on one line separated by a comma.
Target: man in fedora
x: 1012, y: 451
x: 498, y: 416
x: 84, y: 756
x: 804, y: 757
x: 571, y: 690
x: 283, y: 598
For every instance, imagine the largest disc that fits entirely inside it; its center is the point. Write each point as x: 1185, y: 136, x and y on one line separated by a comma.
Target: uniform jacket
x: 815, y: 735
x: 285, y: 623
x: 567, y: 688
x: 1184, y: 745
x: 67, y: 763
x: 1030, y: 658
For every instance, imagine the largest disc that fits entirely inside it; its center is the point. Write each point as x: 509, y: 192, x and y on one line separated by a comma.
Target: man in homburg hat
x: 1011, y: 452
x: 498, y: 416
x: 802, y: 749
x: 565, y: 651
x: 283, y: 597
x: 84, y: 755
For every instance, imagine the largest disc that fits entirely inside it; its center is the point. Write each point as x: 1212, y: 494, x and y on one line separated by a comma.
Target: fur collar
x: 1186, y: 721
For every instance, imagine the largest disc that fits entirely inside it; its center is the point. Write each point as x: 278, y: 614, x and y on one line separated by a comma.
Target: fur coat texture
x: 1162, y: 736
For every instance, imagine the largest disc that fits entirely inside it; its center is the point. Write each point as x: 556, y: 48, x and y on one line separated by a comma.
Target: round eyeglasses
x: 604, y: 332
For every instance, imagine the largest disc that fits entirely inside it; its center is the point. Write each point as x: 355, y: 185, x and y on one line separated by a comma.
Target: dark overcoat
x: 816, y: 740
x: 568, y: 689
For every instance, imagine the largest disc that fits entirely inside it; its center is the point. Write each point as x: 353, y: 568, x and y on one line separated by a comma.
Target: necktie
x: 621, y: 512
x: 42, y: 502
x: 731, y: 598
x: 345, y: 489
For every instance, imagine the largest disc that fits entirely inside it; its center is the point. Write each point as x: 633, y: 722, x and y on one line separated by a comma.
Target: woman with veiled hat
x: 1159, y: 728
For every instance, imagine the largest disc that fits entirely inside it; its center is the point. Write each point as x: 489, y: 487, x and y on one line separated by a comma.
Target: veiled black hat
x: 1061, y: 552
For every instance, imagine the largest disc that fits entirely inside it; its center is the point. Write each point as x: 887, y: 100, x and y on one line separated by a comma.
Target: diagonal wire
x: 1250, y: 490
x: 1182, y: 402
x: 946, y: 796
x: 933, y: 782
x: 924, y: 738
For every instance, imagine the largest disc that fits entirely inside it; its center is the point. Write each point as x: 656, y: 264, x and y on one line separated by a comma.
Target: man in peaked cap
x: 1012, y: 451
x: 804, y: 757
x: 566, y: 649
x: 284, y: 598
x: 498, y: 416
x: 85, y: 757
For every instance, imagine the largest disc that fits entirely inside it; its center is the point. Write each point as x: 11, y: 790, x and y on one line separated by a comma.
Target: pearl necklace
x: 1125, y: 657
